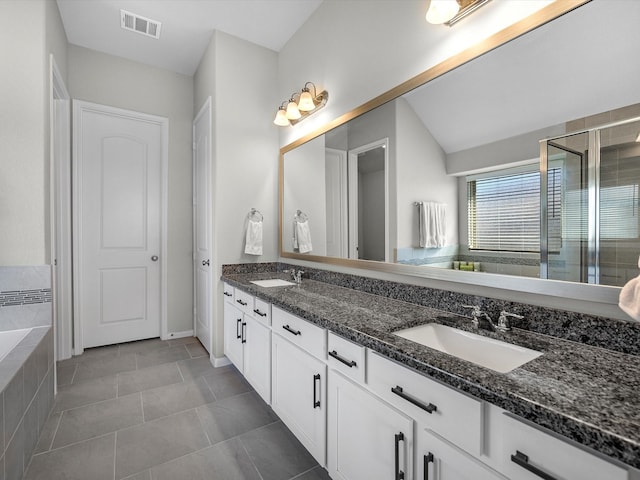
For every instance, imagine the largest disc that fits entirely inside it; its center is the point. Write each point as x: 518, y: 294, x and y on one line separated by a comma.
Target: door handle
x: 244, y: 337
x: 427, y: 408
x: 154, y: 258
x: 427, y: 460
x: 399, y: 473
x: 291, y: 330
x: 316, y: 403
x: 523, y: 460
x: 348, y: 363
x: 238, y: 322
x: 205, y: 263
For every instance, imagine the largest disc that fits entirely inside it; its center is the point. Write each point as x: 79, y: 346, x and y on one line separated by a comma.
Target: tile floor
x: 156, y: 410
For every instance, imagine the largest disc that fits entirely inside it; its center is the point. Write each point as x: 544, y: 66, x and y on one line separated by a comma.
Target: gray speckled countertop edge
x: 608, y: 432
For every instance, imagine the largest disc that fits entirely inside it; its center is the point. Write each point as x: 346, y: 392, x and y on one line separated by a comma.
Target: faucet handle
x: 504, y: 325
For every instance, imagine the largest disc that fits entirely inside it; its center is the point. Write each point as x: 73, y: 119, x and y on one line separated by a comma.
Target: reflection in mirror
x: 477, y: 151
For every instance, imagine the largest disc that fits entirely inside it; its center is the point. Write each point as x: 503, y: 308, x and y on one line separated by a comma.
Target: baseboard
x: 174, y: 335
x: 220, y: 361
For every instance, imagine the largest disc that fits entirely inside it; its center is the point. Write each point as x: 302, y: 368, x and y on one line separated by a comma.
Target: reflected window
x: 504, y: 211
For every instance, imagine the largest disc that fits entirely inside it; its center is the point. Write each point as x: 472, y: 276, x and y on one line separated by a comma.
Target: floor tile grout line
x: 75, y: 370
x: 144, y: 420
x: 96, y: 402
x: 301, y: 474
x: 244, y: 447
x: 74, y: 443
x: 115, y: 453
x: 55, y: 432
x: 203, y: 429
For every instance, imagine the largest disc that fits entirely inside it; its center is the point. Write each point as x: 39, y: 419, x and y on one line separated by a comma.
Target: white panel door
x: 366, y: 438
x: 298, y: 394
x: 118, y: 181
x: 202, y: 225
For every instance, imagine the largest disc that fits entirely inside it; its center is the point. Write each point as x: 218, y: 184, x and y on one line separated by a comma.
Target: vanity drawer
x: 262, y: 311
x: 451, y: 414
x: 228, y: 292
x: 346, y: 357
x: 307, y: 336
x: 544, y: 453
x: 244, y: 301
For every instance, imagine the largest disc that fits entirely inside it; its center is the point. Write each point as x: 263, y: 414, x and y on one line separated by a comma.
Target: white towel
x: 253, y: 242
x: 431, y: 224
x: 630, y: 297
x: 302, y: 236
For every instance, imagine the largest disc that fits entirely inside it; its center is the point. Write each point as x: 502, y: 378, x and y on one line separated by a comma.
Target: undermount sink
x: 486, y: 352
x: 273, y: 282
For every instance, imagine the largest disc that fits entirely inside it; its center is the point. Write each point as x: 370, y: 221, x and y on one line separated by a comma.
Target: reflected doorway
x: 368, y: 201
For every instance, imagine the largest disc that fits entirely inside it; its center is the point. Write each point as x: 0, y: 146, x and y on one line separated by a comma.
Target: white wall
x: 358, y: 50
x: 421, y: 176
x: 108, y: 80
x: 241, y: 78
x: 24, y: 127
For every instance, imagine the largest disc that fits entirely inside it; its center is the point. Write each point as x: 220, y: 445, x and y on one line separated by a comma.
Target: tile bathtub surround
x: 169, y: 414
x: 18, y: 278
x: 585, y: 393
x: 25, y: 297
x: 612, y: 334
x: 26, y: 379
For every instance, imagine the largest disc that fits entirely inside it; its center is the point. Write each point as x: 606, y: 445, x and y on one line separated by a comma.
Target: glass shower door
x: 565, y: 214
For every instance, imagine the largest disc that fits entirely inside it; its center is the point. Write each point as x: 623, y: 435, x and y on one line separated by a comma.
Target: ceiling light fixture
x: 291, y: 112
x: 449, y: 12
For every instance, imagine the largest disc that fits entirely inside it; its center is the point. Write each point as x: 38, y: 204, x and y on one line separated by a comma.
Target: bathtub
x: 9, y: 339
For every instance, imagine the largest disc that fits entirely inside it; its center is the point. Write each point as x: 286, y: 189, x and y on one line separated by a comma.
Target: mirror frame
x: 569, y: 290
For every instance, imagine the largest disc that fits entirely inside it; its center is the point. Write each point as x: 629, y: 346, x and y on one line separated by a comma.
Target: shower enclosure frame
x: 593, y: 198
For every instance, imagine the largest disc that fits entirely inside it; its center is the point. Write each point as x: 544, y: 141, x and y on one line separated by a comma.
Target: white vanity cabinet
x: 528, y: 453
x: 367, y: 438
x: 299, y: 380
x: 437, y: 459
x: 247, y: 340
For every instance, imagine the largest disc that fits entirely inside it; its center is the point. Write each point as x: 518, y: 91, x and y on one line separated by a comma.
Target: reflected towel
x: 302, y: 236
x: 253, y: 242
x: 431, y: 224
x: 630, y: 297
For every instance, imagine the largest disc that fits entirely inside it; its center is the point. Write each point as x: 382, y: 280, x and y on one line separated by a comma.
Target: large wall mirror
x: 444, y: 181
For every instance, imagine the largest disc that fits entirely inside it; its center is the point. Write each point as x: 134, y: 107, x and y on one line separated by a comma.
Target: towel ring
x: 255, y: 215
x: 300, y: 216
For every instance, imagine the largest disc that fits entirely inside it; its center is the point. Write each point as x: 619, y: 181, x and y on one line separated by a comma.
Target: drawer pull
x: 427, y: 460
x: 427, y: 408
x: 399, y: 473
x: 244, y: 338
x: 291, y: 330
x: 238, y: 322
x: 316, y: 380
x: 523, y: 460
x: 244, y: 304
x: 259, y: 313
x: 227, y: 294
x: 348, y: 363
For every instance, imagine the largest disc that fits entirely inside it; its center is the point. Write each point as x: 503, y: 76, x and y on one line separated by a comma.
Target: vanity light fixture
x: 449, y: 12
x: 306, y: 105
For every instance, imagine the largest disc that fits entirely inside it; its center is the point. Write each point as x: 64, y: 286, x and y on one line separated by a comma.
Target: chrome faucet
x: 504, y: 325
x: 296, y: 276
x: 477, y: 314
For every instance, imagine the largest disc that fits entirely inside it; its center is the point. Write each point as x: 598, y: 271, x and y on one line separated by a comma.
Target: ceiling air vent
x: 136, y: 23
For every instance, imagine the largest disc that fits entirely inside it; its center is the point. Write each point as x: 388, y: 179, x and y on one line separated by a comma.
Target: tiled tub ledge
x: 585, y: 393
x: 26, y: 384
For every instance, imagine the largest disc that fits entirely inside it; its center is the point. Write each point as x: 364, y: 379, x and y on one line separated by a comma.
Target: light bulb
x: 441, y: 11
x: 292, y: 110
x: 281, y: 118
x: 306, y: 101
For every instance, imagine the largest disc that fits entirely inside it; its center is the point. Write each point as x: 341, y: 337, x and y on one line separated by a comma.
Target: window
x: 504, y: 211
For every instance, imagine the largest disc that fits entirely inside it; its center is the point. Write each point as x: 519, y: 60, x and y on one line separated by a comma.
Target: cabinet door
x: 298, y: 394
x: 437, y: 459
x: 233, y: 332
x: 257, y: 357
x: 367, y: 438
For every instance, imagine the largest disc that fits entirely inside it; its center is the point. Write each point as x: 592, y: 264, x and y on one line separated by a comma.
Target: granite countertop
x: 588, y: 394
